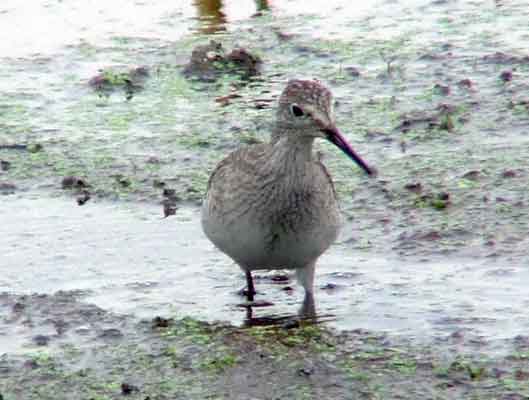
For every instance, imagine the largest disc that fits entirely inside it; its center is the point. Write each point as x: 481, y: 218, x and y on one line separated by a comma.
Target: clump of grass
x: 219, y: 362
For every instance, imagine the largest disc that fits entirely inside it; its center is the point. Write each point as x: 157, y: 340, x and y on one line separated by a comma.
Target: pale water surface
x: 45, y: 26
x: 130, y: 260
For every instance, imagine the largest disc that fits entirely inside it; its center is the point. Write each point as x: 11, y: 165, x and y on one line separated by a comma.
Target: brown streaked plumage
x: 273, y: 206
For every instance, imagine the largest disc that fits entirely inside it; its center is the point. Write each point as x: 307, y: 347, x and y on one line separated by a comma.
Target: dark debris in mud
x: 504, y: 58
x: 169, y: 202
x: 90, y: 353
x: 79, y: 186
x: 7, y: 187
x: 4, y: 165
x: 30, y: 148
x: 506, y: 76
x: 209, y: 62
x: 441, y: 118
x: 73, y: 182
x: 83, y: 197
x: 130, y: 80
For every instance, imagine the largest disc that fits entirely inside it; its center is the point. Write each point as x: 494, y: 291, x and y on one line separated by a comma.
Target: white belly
x: 255, y: 247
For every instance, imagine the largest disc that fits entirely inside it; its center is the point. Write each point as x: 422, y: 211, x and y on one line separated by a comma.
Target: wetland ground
x: 424, y: 296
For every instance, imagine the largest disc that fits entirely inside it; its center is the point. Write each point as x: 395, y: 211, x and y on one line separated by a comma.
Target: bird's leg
x: 305, y: 277
x: 250, y: 290
x: 249, y: 315
x: 308, y: 308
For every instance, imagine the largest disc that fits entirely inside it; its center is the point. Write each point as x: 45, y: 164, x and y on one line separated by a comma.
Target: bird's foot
x: 257, y: 304
x: 248, y: 293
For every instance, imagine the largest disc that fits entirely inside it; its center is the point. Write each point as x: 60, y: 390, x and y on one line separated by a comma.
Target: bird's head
x: 306, y: 109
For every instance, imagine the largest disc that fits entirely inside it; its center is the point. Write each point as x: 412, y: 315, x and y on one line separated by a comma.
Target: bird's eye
x: 296, y: 110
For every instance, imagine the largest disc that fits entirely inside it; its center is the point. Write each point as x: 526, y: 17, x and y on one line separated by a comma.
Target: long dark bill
x: 335, y: 137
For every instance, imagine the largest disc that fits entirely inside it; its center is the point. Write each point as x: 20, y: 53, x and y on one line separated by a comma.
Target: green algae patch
x: 194, y: 331
x: 217, y: 363
x: 304, y: 336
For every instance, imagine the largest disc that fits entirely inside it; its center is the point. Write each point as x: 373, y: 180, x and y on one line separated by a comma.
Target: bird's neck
x: 291, y: 154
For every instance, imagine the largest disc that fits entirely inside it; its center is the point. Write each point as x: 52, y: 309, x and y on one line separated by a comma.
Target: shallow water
x: 126, y: 258
x: 48, y: 26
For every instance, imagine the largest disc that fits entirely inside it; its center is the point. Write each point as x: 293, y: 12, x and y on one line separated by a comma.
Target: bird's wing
x: 240, y: 165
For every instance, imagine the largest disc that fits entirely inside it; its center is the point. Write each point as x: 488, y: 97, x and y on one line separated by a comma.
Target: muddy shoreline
x: 119, y: 355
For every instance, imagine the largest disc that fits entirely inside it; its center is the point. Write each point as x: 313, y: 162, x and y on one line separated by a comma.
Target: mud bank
x: 82, y: 351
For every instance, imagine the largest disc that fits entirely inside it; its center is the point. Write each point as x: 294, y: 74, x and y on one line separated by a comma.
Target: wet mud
x: 209, y: 62
x: 76, y: 350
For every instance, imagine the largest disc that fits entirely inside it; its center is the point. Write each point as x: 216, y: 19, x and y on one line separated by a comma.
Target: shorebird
x: 273, y: 205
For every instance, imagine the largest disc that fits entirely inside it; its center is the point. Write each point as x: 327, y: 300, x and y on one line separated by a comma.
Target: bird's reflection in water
x: 212, y: 14
x: 306, y: 315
